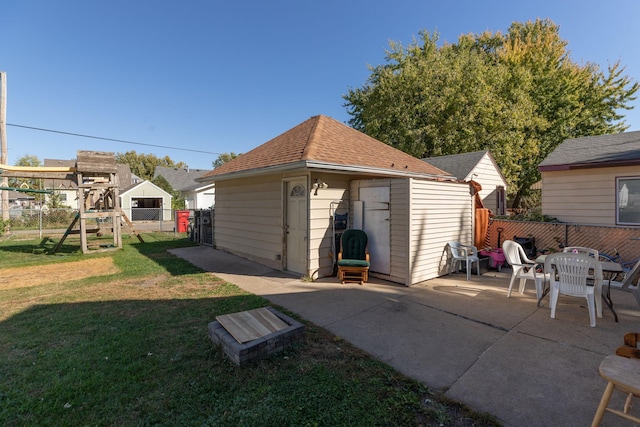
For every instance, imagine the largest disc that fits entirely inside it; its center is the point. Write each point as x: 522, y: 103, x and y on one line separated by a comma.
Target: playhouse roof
x: 324, y: 143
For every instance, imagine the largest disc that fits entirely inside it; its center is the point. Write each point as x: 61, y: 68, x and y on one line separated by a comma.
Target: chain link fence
x: 38, y: 223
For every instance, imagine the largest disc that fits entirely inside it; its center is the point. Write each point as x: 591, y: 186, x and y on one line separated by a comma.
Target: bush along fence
x: 553, y: 236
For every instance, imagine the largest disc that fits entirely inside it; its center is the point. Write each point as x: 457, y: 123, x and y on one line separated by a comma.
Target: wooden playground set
x: 95, y: 175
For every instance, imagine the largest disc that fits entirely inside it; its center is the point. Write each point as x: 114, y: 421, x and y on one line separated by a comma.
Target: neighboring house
x: 276, y: 204
x: 66, y: 189
x: 594, y: 180
x: 21, y: 198
x: 481, y: 167
x: 196, y: 194
x: 145, y: 201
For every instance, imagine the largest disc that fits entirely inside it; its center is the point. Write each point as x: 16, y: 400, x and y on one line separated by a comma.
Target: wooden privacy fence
x: 551, y: 236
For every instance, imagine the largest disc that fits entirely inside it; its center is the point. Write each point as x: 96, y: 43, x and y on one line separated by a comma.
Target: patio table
x: 613, y: 268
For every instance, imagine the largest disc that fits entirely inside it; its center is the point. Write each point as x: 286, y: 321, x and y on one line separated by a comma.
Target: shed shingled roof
x: 458, y: 165
x: 595, y: 151
x: 324, y: 140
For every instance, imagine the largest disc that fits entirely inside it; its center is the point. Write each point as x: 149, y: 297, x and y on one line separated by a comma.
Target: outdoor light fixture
x: 318, y: 183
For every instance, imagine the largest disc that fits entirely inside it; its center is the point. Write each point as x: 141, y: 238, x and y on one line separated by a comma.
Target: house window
x: 500, y: 200
x: 628, y: 201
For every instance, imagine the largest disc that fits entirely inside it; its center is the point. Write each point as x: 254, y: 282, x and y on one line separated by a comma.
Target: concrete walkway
x: 504, y: 356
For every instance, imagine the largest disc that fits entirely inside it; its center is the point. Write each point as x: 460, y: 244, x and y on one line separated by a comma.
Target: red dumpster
x: 182, y: 221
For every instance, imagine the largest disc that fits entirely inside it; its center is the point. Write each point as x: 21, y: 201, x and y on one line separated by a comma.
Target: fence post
x: 40, y: 222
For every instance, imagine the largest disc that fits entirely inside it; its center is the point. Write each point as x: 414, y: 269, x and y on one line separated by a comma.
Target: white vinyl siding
x: 424, y: 216
x: 249, y: 218
x: 490, y: 178
x: 400, y: 194
x: 583, y: 196
x: 146, y: 190
x: 440, y: 212
x: 320, y: 225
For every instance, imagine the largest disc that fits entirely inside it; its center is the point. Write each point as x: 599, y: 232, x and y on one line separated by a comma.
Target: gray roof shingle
x: 458, y: 165
x: 181, y: 179
x: 595, y: 151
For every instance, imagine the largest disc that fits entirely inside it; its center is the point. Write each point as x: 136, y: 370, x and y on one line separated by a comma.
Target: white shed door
x: 376, y: 225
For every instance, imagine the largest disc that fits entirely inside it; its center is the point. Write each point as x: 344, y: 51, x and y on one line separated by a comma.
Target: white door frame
x: 296, y: 234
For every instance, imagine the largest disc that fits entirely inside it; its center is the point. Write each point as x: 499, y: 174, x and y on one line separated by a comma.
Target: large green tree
x: 144, y: 165
x: 224, y: 158
x: 177, y: 200
x: 518, y: 94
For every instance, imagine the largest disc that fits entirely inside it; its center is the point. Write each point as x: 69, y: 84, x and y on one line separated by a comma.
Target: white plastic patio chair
x: 523, y: 268
x: 466, y: 253
x: 571, y: 271
x: 582, y: 250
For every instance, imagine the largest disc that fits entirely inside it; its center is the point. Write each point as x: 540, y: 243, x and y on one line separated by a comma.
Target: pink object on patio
x: 497, y: 258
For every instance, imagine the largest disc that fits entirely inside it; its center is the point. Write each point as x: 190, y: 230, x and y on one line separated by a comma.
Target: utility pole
x: 3, y: 140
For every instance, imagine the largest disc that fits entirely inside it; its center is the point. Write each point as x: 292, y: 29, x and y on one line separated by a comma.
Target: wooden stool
x: 623, y: 374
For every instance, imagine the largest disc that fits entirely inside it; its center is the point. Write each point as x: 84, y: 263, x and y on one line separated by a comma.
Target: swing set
x: 95, y: 175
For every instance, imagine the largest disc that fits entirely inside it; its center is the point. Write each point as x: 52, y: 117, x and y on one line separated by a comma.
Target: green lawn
x: 131, y: 348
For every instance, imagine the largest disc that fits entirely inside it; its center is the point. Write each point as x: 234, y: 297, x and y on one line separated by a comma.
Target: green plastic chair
x: 353, y: 258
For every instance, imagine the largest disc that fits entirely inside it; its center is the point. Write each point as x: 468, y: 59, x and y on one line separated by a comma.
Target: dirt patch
x: 22, y: 277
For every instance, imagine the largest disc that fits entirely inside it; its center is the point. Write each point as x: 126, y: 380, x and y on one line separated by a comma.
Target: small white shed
x: 145, y: 201
x: 481, y: 167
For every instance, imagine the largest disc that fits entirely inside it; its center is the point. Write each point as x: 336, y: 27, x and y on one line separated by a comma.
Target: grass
x: 131, y: 348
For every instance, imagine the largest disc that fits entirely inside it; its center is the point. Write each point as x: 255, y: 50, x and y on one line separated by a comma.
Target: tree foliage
x: 144, y: 165
x: 177, y: 200
x: 517, y: 94
x: 34, y: 184
x: 224, y: 158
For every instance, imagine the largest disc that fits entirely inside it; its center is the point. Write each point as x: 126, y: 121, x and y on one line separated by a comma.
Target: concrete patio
x: 500, y: 355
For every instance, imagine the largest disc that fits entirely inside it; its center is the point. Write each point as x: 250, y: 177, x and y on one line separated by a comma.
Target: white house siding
x: 201, y: 198
x: 320, y: 222
x: 205, y: 198
x: 439, y: 212
x: 249, y: 218
x: 70, y: 198
x: 489, y: 177
x: 583, y: 196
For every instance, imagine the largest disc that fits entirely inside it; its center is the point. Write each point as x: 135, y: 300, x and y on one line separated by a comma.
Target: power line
x: 109, y: 139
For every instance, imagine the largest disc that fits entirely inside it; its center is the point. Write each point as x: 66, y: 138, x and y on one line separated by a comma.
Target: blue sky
x: 216, y: 77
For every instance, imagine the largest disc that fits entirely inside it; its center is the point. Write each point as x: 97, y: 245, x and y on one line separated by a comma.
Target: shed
x: 594, y: 180
x: 282, y: 204
x: 481, y: 167
x: 145, y: 201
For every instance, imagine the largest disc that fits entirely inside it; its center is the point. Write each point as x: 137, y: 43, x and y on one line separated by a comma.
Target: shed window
x: 298, y: 191
x: 628, y: 200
